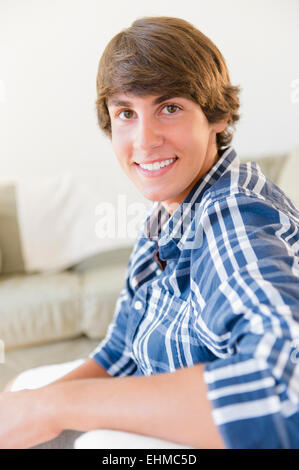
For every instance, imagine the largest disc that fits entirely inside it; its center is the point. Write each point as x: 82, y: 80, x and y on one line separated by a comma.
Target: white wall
x: 49, y: 52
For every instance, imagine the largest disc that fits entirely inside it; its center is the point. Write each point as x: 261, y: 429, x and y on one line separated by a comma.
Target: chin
x: 156, y: 196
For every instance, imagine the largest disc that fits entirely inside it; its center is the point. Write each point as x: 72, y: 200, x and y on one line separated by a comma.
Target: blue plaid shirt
x: 218, y: 283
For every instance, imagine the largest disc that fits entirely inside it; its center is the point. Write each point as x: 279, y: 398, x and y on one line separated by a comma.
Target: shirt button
x: 138, y: 305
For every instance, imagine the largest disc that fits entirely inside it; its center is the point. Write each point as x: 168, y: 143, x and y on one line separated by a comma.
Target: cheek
x: 177, y: 138
x: 199, y: 138
x: 189, y: 136
x: 120, y: 147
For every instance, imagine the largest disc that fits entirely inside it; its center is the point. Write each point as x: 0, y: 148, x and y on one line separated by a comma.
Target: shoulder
x: 242, y: 219
x: 243, y: 188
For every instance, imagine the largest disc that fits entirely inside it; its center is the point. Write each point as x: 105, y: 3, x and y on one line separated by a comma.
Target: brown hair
x: 164, y: 55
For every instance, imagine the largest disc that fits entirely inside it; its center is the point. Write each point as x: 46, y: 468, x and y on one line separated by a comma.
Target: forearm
x: 89, y: 369
x: 170, y: 406
x: 27, y: 417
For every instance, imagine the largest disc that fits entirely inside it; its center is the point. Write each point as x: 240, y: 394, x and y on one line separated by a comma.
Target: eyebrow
x: 158, y: 100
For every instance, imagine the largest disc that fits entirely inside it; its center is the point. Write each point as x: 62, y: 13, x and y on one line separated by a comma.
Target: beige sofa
x: 60, y: 317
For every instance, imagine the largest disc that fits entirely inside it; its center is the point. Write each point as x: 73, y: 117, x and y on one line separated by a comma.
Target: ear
x: 219, y: 126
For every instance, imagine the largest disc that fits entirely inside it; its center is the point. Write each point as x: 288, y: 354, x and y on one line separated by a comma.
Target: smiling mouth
x: 157, y: 166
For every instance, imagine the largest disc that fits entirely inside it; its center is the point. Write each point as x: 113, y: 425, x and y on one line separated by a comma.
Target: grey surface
x: 271, y: 166
x: 105, y: 258
x: 64, y: 441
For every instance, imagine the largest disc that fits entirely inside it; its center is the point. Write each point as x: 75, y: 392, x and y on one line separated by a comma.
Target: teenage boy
x: 201, y: 347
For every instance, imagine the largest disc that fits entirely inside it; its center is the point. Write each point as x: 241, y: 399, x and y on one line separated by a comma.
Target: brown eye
x: 171, y: 108
x: 126, y: 114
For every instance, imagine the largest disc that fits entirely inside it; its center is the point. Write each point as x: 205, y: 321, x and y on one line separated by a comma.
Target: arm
x: 249, y: 318
x: 170, y: 406
x: 23, y: 422
x: 88, y: 370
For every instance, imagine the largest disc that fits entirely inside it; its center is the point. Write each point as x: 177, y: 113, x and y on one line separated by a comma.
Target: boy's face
x: 170, y: 136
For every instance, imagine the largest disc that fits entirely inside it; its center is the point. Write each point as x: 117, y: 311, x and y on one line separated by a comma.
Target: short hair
x: 165, y: 55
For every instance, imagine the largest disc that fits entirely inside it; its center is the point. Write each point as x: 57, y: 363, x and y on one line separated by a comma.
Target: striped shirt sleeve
x: 249, y: 319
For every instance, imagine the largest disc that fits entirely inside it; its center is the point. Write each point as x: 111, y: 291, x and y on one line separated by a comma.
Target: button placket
x: 138, y: 310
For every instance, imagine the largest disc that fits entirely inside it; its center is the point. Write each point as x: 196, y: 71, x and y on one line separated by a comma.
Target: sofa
x: 57, y: 317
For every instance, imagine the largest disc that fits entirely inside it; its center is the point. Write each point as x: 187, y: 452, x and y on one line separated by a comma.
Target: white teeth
x: 157, y: 165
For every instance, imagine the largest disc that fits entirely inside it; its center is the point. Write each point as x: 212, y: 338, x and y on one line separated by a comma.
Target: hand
x: 26, y: 419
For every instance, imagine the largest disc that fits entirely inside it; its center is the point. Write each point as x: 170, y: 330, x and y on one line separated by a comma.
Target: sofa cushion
x: 272, y: 166
x: 10, y: 242
x: 118, y: 256
x: 100, y: 291
x: 288, y: 178
x: 39, y: 308
x: 282, y: 169
x: 59, y: 221
x: 114, y: 439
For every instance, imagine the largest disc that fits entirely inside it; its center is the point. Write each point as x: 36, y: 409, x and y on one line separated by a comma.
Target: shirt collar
x: 166, y: 230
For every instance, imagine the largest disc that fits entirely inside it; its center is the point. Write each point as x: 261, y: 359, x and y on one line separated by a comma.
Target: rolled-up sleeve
x: 251, y: 407
x: 250, y: 320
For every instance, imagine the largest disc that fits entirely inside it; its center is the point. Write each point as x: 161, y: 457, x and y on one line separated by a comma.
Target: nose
x: 148, y: 135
